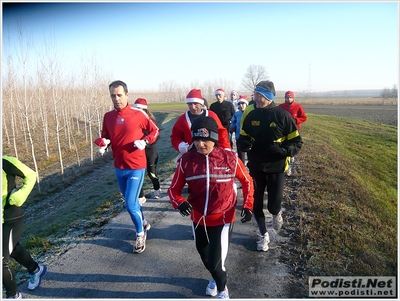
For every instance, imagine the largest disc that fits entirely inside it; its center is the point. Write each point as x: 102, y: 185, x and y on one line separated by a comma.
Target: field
x: 376, y: 113
x: 341, y: 203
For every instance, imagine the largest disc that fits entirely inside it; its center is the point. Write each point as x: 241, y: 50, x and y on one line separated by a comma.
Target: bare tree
x: 93, y: 84
x: 8, y: 111
x: 253, y: 75
x: 25, y: 104
x: 43, y: 109
x: 394, y: 92
x: 51, y: 65
x: 385, y: 93
x: 168, y: 91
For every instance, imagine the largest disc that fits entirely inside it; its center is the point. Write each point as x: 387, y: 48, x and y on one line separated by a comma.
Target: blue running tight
x: 130, y: 182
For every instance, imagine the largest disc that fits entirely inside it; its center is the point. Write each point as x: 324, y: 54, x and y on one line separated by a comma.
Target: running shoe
x: 140, y: 244
x: 36, y: 278
x: 17, y: 296
x: 262, y: 244
x: 155, y: 194
x: 142, y: 200
x: 224, y: 294
x: 277, y: 221
x: 211, y: 289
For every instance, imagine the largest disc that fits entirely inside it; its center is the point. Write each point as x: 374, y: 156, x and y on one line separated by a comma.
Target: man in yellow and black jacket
x: 269, y: 136
x: 13, y: 222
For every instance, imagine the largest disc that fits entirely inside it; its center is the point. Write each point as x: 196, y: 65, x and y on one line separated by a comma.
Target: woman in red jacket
x: 210, y: 172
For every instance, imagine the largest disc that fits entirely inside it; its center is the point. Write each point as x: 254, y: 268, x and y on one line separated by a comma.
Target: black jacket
x: 273, y: 136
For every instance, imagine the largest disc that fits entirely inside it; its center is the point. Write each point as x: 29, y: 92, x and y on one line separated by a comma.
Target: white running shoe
x: 277, y: 221
x: 155, y: 194
x: 262, y: 244
x: 224, y: 294
x: 17, y: 296
x: 140, y: 244
x: 142, y: 200
x: 211, y: 289
x: 147, y: 226
x: 36, y: 278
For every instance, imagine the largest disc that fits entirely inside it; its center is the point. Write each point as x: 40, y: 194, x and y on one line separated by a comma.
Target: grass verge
x: 348, y: 202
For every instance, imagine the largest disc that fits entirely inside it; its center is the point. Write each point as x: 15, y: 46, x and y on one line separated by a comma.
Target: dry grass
x: 347, y: 205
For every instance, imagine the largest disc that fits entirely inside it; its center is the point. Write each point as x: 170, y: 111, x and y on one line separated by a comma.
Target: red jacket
x: 181, y: 131
x: 211, y: 181
x: 297, y: 112
x: 123, y: 128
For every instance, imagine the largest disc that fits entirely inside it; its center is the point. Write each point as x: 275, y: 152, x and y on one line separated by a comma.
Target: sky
x: 317, y: 46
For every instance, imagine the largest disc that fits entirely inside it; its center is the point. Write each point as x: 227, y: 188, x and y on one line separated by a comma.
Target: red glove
x: 101, y: 142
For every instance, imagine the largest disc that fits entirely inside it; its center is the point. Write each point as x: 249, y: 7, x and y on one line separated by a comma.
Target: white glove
x: 140, y: 144
x: 183, y: 147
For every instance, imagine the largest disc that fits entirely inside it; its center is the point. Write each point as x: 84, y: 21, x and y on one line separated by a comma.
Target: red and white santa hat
x: 140, y: 103
x: 195, y: 96
x: 243, y: 98
x: 219, y: 91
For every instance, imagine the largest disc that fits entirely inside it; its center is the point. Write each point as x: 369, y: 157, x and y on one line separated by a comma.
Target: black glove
x: 245, y: 145
x: 246, y: 214
x: 185, y: 208
x: 277, y: 151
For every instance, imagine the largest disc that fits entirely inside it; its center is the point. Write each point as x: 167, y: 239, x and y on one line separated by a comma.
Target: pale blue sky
x: 348, y: 45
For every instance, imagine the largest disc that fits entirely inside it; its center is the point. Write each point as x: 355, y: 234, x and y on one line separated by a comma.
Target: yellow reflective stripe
x: 288, y: 137
x: 245, y: 113
x: 293, y: 135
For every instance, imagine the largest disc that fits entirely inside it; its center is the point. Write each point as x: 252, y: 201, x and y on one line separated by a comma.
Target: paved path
x: 105, y: 266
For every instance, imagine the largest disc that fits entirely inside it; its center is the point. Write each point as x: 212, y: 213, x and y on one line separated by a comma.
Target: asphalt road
x: 105, y: 266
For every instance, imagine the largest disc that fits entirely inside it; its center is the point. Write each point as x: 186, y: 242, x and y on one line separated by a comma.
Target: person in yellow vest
x: 13, y: 222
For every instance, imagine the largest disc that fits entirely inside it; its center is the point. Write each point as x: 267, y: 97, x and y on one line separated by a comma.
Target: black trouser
x: 152, y: 160
x: 12, y: 231
x: 212, y: 244
x: 274, y: 182
x: 241, y: 154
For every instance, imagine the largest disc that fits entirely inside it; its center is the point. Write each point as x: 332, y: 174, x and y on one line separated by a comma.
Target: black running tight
x: 274, y: 184
x: 12, y: 231
x: 212, y: 244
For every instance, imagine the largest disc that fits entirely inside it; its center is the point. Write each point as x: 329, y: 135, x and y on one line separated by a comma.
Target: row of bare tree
x: 47, y: 114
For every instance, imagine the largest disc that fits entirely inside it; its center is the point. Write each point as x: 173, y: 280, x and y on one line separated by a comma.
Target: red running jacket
x: 211, y: 181
x: 297, y: 112
x: 123, y: 128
